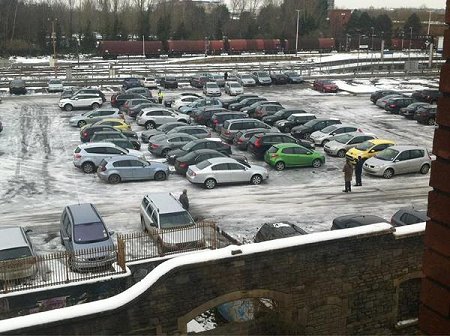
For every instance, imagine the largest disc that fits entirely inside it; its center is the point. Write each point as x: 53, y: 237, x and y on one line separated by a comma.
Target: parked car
x: 409, y: 111
x: 142, y: 91
x: 260, y: 143
x: 394, y: 105
x: 382, y: 93
x: 169, y: 82
x: 118, y: 99
x: 153, y: 117
x: 233, y: 88
x: 86, y: 132
x: 81, y: 100
x: 69, y: 92
x: 102, y: 136
x: 55, y: 85
x: 383, y: 101
x: 340, y: 144
x: 211, y: 89
x: 133, y: 111
x: 284, y: 155
x: 324, y: 85
x: 397, y: 160
x: 244, y: 103
x: 118, y: 123
x: 227, y: 102
x: 427, y: 96
x: 426, y: 115
x: 251, y: 109
x: 182, y: 163
x: 242, y: 138
x: 91, y: 117
x: 215, y: 144
x: 130, y: 103
x: 262, y: 78
x: 163, y: 129
x: 162, y: 144
x: 170, y: 226
x: 199, y: 81
x: 204, y: 114
x: 197, y: 131
x: 264, y: 110
x: 279, y: 115
x: 84, y: 234
x: 408, y: 216
x: 149, y: 82
x: 279, y: 78
x: 294, y: 77
x: 351, y: 221
x: 218, y: 78
x: 294, y: 120
x: 130, y: 168
x: 17, y: 256
x: 305, y: 130
x: 322, y: 136
x: 215, y: 171
x: 168, y: 100
x: 367, y: 149
x: 131, y: 83
x: 87, y: 157
x: 127, y: 143
x: 17, y: 86
x: 246, y: 79
x: 218, y: 119
x: 194, y: 106
x: 231, y: 126
x: 271, y: 231
x: 183, y: 101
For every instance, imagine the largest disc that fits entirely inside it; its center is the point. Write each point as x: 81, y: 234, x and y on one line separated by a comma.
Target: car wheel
x: 95, y: 106
x: 431, y: 121
x: 81, y: 123
x: 256, y: 179
x: 160, y: 176
x: 341, y: 153
x: 144, y: 228
x: 114, y: 179
x: 324, y: 142
x: 68, y: 107
x: 210, y: 183
x: 280, y: 165
x: 388, y: 173
x: 425, y: 169
x: 306, y: 135
x: 88, y: 167
x: 316, y: 163
x: 149, y: 125
x: 165, y: 152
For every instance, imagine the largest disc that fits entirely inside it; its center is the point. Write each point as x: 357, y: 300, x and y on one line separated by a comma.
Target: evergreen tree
x: 413, y: 22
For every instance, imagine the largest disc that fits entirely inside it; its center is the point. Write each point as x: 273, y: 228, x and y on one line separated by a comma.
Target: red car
x: 323, y: 85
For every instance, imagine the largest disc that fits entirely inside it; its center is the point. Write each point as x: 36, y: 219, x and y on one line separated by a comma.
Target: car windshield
x: 211, y: 85
x: 388, y: 154
x: 89, y: 233
x: 344, y: 138
x: 246, y: 77
x: 263, y: 74
x: 329, y: 129
x: 364, y: 145
x: 203, y: 164
x: 15, y: 253
x: 235, y: 85
x: 174, y: 220
x: 55, y: 81
x: 310, y: 123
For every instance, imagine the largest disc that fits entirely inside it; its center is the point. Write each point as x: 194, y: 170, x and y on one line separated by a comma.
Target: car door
x: 402, y: 161
x: 237, y: 173
x: 111, y: 152
x: 141, y: 171
x: 221, y: 173
x: 96, y: 116
x: 417, y: 159
x: 124, y: 169
x: 303, y: 156
x: 289, y: 157
x: 66, y: 233
x: 378, y: 148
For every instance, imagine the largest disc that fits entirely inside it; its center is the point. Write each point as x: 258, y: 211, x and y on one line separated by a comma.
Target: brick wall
x: 434, y: 315
x: 353, y: 285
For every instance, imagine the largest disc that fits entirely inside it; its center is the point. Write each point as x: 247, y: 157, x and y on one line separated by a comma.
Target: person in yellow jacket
x: 160, y: 96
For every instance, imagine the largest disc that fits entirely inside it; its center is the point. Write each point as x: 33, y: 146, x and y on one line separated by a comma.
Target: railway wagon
x: 180, y: 47
x: 112, y: 49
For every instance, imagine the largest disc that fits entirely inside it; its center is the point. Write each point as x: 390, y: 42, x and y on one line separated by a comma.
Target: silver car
x: 340, y: 144
x: 131, y: 168
x: 233, y: 88
x: 323, y: 136
x: 162, y: 144
x: 399, y: 160
x: 246, y: 79
x: 197, y: 131
x: 225, y: 170
x: 91, y: 117
x: 89, y: 155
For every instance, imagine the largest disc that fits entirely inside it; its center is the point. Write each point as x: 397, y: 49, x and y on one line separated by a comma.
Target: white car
x: 91, y: 117
x: 211, y: 89
x: 321, y: 137
x: 183, y: 101
x: 152, y: 117
x: 55, y: 85
x: 225, y: 170
x: 81, y: 100
x: 246, y: 79
x: 234, y: 88
x: 149, y: 82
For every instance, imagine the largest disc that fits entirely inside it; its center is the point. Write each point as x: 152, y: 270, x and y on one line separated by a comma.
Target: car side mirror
x: 397, y: 160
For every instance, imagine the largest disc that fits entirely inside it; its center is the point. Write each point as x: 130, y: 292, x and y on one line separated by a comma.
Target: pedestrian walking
x: 225, y: 76
x: 348, y: 175
x: 160, y: 96
x: 358, y: 171
x: 184, y: 200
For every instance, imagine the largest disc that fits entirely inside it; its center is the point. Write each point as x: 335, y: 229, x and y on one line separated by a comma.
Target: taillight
x: 258, y: 143
x: 183, y: 164
x: 240, y: 141
x: 215, y: 121
x: 227, y: 132
x: 392, y: 105
x: 77, y: 156
x: 359, y: 130
x: 102, y: 168
x: 155, y: 146
x: 274, y: 155
x: 85, y: 134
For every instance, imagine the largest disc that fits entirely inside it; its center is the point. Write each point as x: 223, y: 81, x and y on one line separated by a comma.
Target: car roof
x: 165, y: 202
x: 12, y: 238
x: 406, y: 147
x: 121, y: 158
x: 107, y: 132
x: 221, y: 160
x: 363, y: 219
x: 380, y: 141
x: 302, y: 114
x: 82, y: 213
x: 286, y: 145
x: 109, y: 119
x: 96, y: 144
x: 241, y: 119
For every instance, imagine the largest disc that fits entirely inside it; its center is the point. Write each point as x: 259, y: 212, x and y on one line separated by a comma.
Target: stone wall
x: 355, y: 284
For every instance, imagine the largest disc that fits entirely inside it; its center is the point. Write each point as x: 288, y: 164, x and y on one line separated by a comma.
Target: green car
x: 292, y: 155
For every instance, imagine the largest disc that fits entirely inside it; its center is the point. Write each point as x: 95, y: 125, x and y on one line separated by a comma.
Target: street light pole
x: 429, y: 23
x: 296, y: 34
x: 54, y: 46
x: 373, y: 29
x: 410, y: 42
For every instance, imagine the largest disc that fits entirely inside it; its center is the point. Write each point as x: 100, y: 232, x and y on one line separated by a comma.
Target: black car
x: 426, y: 115
x: 380, y: 94
x: 408, y: 216
x: 351, y: 221
x: 88, y: 131
x: 218, y: 119
x: 304, y: 131
x: 260, y: 143
x: 427, y: 96
x: 129, y: 143
x: 129, y: 83
x: 279, y: 78
x: 250, y: 110
x: 244, y: 103
x: 162, y: 129
x: 394, y: 105
x: 134, y: 110
x: 169, y: 82
x: 199, y: 81
x: 294, y: 120
x: 182, y: 163
x: 279, y: 115
x: 411, y: 109
x: 227, y: 102
x: 270, y: 231
x: 17, y: 86
x: 203, y: 115
x: 199, y: 144
x: 118, y: 99
x: 142, y: 91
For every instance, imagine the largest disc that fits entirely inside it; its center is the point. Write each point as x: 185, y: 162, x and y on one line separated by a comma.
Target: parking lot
x: 38, y: 177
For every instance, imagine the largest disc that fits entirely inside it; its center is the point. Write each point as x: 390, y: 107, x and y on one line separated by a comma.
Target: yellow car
x: 119, y: 124
x: 367, y: 149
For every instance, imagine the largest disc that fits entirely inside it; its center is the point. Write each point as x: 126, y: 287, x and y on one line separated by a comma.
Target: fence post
x: 121, y: 253
x: 66, y: 259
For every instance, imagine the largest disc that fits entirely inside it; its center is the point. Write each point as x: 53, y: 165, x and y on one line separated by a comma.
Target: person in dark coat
x: 225, y: 76
x: 348, y: 175
x: 358, y: 171
x: 184, y: 200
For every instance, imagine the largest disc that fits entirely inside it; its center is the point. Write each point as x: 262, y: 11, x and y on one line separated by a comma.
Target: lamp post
x: 403, y: 36
x: 410, y: 42
x: 373, y: 29
x: 429, y: 23
x: 54, y: 46
x: 296, y: 34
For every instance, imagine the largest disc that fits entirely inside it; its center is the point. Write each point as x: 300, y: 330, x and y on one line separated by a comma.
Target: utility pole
x: 54, y: 47
x: 296, y: 35
x: 429, y: 23
x: 410, y: 42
